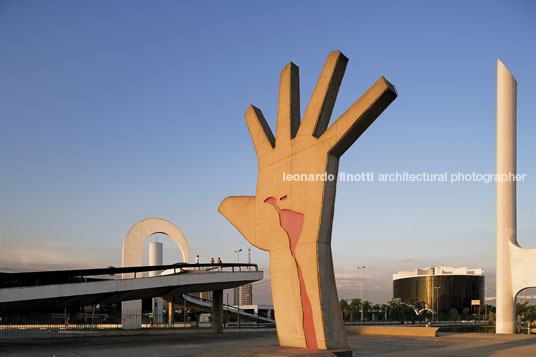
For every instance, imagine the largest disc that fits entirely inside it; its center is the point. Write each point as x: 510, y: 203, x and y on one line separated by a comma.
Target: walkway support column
x: 217, y: 311
x: 170, y: 311
x: 131, y: 314
x: 155, y: 258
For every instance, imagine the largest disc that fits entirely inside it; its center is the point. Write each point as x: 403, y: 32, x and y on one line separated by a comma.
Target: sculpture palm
x: 293, y: 219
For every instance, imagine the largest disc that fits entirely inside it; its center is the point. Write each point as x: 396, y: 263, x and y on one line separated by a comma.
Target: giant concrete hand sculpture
x: 293, y: 219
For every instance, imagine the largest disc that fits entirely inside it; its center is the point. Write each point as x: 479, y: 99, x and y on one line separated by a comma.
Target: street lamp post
x: 227, y: 319
x: 436, y: 288
x: 237, y: 251
x: 485, y: 305
x: 360, y: 268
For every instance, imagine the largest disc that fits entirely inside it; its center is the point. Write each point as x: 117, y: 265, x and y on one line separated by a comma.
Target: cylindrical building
x: 156, y: 250
x: 441, y: 288
x: 155, y: 258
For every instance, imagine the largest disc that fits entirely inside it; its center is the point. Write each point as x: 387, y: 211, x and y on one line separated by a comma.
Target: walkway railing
x: 94, y: 323
x: 8, y: 280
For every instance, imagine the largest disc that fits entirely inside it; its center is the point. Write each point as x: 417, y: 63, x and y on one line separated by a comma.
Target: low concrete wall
x: 393, y: 330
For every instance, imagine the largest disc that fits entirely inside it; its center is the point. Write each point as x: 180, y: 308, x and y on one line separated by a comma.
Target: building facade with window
x: 441, y: 288
x: 243, y: 295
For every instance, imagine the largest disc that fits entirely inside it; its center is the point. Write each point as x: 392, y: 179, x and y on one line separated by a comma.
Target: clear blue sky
x: 115, y: 111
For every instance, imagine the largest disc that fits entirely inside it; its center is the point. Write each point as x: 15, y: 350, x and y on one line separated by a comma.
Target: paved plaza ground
x: 199, y: 343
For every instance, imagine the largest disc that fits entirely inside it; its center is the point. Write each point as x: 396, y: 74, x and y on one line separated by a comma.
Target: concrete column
x: 131, y: 314
x: 155, y: 258
x: 217, y: 311
x: 506, y: 197
x: 170, y: 310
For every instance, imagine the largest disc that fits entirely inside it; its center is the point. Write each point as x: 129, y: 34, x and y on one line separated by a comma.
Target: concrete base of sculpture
x: 278, y: 351
x: 393, y: 331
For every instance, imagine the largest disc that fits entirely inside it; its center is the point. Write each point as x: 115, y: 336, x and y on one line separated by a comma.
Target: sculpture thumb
x: 240, y: 211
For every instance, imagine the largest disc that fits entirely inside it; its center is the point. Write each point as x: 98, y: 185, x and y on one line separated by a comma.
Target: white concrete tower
x: 505, y: 197
x: 155, y: 258
x: 516, y: 267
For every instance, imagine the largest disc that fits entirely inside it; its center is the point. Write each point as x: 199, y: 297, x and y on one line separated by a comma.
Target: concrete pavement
x: 198, y: 343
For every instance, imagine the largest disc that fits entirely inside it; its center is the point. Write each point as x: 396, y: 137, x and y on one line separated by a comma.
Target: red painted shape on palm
x: 292, y: 223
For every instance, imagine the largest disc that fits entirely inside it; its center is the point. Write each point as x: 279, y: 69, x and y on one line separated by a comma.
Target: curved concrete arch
x: 138, y: 234
x: 520, y: 291
x: 133, y: 256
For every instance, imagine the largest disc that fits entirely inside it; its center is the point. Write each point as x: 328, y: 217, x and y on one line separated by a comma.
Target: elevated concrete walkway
x: 207, y: 305
x: 57, y: 296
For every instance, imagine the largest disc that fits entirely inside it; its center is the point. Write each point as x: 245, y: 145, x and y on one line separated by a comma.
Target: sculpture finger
x: 360, y: 116
x: 318, y: 112
x: 260, y: 131
x: 288, y: 109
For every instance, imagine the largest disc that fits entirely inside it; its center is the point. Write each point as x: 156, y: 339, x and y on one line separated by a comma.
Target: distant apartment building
x: 243, y: 295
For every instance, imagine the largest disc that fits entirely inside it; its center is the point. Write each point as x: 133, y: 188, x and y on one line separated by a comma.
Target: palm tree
x: 375, y: 308
x: 367, y: 306
x: 454, y: 314
x: 396, y: 309
x: 355, y: 307
x: 391, y: 310
x: 384, y: 308
x: 345, y: 309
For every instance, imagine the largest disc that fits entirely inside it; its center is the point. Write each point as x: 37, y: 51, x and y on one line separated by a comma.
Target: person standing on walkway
x: 197, y: 262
